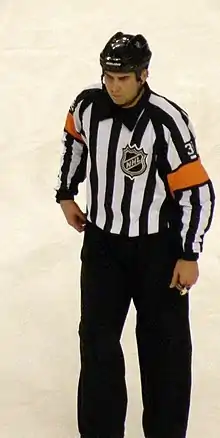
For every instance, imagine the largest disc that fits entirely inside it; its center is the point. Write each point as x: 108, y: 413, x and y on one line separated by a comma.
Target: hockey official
x: 149, y: 203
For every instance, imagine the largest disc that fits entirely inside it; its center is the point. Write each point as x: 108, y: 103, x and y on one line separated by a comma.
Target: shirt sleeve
x: 73, y: 158
x: 190, y: 186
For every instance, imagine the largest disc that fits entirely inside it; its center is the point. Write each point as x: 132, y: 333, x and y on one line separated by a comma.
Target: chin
x: 118, y: 100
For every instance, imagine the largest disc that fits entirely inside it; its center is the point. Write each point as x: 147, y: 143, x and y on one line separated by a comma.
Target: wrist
x: 190, y: 256
x: 66, y: 201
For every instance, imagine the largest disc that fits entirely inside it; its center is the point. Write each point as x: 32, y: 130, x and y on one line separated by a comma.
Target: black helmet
x: 125, y: 53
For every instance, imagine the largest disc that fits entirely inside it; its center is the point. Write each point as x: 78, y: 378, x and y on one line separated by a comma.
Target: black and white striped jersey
x: 142, y: 169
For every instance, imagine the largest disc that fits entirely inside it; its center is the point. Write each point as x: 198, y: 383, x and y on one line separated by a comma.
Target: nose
x: 115, y: 87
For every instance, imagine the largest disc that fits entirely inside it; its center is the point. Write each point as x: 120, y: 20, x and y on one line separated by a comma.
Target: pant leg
x: 102, y: 395
x: 164, y: 342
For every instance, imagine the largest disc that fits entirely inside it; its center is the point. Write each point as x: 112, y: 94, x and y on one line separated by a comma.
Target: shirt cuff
x: 190, y: 256
x: 64, y: 195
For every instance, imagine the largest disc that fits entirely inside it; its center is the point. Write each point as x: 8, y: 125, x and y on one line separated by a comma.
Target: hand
x: 185, y: 274
x: 74, y: 216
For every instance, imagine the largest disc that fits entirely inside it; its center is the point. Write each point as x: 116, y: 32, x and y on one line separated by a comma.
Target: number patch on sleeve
x: 191, y: 150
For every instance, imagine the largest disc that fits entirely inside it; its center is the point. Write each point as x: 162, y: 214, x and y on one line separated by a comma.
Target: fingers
x: 183, y: 289
x: 81, y: 222
x: 74, y: 216
x: 81, y: 216
x: 80, y: 226
x: 187, y: 280
x: 174, y: 280
x: 77, y: 222
x: 185, y: 275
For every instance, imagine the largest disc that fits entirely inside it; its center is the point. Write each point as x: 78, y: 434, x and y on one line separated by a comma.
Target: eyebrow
x: 119, y: 77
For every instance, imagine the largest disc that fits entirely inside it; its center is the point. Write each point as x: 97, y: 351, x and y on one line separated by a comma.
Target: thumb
x: 174, y: 278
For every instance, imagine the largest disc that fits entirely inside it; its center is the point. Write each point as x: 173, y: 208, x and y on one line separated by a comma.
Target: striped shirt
x: 142, y: 168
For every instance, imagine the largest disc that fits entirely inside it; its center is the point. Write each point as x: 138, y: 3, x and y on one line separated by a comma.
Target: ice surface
x: 49, y: 51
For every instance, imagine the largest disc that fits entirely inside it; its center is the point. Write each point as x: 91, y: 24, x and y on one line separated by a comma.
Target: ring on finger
x: 183, y: 289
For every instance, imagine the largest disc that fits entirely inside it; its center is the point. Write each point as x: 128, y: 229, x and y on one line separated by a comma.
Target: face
x: 123, y: 87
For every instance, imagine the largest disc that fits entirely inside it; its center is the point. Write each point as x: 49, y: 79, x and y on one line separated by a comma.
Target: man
x: 149, y: 203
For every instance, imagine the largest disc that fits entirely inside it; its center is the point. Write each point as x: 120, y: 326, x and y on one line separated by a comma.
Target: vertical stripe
x: 212, y: 201
x: 166, y: 208
x: 110, y: 173
x: 76, y: 116
x: 60, y: 174
x: 77, y: 150
x: 119, y: 182
x: 146, y: 222
x: 88, y: 189
x: 172, y: 155
x: 94, y: 122
x: 191, y: 130
x: 86, y: 125
x: 102, y: 154
x: 194, y: 220
x: 148, y: 196
x: 80, y: 172
x: 137, y: 197
x: 186, y: 214
x: 205, y: 216
x: 125, y: 205
x: 65, y: 160
x: 156, y: 206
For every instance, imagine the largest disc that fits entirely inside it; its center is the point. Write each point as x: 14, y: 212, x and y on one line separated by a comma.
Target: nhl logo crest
x: 133, y: 162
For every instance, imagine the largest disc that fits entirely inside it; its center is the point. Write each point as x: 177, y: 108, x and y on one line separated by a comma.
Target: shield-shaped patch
x: 133, y: 161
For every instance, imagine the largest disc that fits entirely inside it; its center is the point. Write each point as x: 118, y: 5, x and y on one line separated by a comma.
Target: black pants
x: 116, y: 270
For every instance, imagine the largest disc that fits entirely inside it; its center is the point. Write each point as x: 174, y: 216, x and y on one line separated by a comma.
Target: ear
x: 144, y: 75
